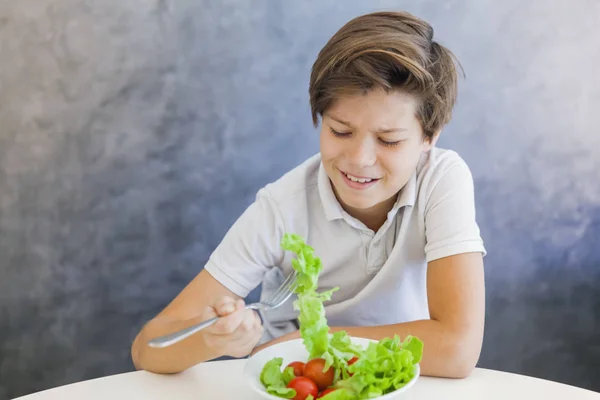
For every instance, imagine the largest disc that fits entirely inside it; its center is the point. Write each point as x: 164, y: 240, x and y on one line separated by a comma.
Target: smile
x: 358, y: 182
x: 357, y: 179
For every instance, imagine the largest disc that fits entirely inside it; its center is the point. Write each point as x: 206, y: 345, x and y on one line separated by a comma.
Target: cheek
x: 401, y: 164
x: 328, y: 147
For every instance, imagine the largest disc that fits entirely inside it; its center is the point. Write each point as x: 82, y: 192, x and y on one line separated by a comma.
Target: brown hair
x: 392, y: 51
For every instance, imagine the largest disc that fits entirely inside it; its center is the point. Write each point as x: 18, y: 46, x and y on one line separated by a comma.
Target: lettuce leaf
x: 340, y: 350
x: 415, y: 346
x: 383, y: 367
x: 306, y: 263
x: 340, y: 394
x: 313, y: 324
x: 275, y: 381
x: 288, y: 375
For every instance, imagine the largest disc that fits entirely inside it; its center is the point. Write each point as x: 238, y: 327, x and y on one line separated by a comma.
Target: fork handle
x: 175, y: 337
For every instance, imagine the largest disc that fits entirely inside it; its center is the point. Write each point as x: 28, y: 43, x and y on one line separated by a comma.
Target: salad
x: 336, y: 369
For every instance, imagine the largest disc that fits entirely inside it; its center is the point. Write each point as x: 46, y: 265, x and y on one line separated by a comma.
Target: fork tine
x: 284, y: 297
x: 283, y: 287
x: 283, y: 293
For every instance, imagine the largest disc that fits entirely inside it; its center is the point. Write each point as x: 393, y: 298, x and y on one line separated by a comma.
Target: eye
x: 340, y: 134
x: 390, y: 144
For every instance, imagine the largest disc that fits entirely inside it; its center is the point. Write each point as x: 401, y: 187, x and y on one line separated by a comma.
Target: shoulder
x: 442, y: 171
x: 438, y: 162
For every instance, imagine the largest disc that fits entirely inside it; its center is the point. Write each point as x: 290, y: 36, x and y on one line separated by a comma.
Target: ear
x: 429, y: 143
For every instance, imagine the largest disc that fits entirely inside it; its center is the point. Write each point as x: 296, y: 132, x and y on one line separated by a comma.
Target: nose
x: 362, y: 152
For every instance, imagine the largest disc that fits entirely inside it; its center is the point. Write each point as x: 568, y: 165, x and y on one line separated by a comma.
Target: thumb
x: 226, y: 305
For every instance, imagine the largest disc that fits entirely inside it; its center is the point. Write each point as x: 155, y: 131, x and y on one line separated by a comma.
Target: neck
x: 373, y: 217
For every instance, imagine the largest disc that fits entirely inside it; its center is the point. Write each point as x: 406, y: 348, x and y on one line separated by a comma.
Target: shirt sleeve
x: 450, y: 225
x: 250, y: 247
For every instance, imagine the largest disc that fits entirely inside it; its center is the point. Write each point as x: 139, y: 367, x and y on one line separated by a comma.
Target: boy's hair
x: 391, y: 51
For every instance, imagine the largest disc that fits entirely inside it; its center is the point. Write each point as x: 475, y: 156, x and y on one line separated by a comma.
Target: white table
x: 222, y: 380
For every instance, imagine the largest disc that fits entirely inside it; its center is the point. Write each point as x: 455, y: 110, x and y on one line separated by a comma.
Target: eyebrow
x: 348, y: 124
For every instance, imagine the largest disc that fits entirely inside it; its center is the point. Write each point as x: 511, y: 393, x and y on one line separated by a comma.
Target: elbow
x: 463, y: 356
x: 145, y: 359
x: 461, y: 369
x: 458, y: 366
x: 136, y: 354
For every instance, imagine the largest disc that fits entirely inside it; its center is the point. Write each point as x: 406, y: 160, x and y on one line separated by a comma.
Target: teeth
x: 360, y: 180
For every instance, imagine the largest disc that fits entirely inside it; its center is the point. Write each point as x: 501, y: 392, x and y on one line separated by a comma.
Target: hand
x: 284, y: 338
x: 237, y: 331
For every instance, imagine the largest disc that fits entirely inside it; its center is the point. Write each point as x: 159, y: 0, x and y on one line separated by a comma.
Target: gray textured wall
x: 132, y: 134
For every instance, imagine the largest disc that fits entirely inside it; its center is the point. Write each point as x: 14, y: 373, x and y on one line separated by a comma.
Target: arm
x: 454, y: 334
x: 197, y: 302
x: 236, y: 266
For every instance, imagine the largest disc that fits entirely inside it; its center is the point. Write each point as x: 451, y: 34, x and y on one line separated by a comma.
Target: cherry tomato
x: 303, y: 387
x: 324, y: 392
x: 314, y: 370
x: 298, y: 367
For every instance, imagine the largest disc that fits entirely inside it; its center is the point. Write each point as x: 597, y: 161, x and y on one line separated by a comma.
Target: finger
x: 247, y: 328
x: 249, y: 321
x: 259, y: 334
x: 257, y: 320
x: 228, y: 324
x: 225, y: 306
x: 254, y: 338
x: 243, y: 343
x: 256, y: 331
x: 240, y: 304
x: 247, y: 340
x: 207, y: 313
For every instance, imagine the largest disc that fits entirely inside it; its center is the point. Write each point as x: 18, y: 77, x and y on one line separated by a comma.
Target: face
x: 370, y: 146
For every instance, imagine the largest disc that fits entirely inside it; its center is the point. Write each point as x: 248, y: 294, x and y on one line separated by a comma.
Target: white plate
x: 294, y: 350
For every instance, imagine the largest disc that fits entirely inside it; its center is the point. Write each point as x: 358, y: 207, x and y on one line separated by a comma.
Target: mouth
x: 358, y: 182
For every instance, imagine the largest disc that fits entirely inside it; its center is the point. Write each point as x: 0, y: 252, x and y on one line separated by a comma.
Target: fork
x: 280, y: 296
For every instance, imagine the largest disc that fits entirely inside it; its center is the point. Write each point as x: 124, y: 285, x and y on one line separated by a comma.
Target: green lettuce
x: 306, y: 263
x: 340, y: 350
x: 383, y: 367
x: 288, y: 375
x: 313, y: 324
x: 275, y: 381
x: 340, y: 394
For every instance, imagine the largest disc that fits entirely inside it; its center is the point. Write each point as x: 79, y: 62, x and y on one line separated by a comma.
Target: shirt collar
x: 331, y: 206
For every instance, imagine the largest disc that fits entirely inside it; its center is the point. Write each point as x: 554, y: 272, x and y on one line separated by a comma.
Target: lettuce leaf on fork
x: 313, y: 324
x: 337, y: 349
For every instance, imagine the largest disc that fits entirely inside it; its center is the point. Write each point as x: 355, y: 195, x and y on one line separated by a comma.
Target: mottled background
x: 133, y: 133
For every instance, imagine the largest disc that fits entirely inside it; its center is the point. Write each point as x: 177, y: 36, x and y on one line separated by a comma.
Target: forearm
x: 448, y: 353
x: 174, y: 358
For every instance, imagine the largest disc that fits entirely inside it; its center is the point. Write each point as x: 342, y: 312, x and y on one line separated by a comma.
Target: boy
x: 391, y: 216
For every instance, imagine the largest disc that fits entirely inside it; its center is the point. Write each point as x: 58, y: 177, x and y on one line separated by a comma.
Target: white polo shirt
x: 381, y: 275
